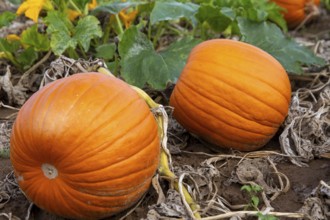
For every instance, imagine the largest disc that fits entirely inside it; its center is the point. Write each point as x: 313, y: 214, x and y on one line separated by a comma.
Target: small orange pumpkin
x: 85, y: 147
x: 231, y: 94
x: 296, y: 11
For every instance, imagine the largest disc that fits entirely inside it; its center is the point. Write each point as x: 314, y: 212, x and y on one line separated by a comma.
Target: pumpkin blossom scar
x: 32, y: 8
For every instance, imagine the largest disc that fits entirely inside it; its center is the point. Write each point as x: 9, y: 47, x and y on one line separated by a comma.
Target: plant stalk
x: 75, y: 6
x: 119, y: 24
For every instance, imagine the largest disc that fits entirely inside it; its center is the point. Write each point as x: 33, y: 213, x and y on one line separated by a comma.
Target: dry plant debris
x: 9, y: 190
x: 16, y: 94
x: 317, y: 206
x: 64, y: 66
x: 5, y: 130
x: 306, y: 131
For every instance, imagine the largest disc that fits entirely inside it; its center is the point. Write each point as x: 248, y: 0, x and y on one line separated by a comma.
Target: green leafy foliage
x: 33, y: 38
x: 172, y: 10
x: 6, y: 17
x: 251, y: 188
x: 87, y: 29
x: 326, y: 4
x: 64, y: 35
x: 23, y: 58
x: 269, y: 37
x: 176, y: 54
x: 148, y: 42
x: 8, y: 46
x: 252, y: 191
x: 116, y: 7
x: 141, y: 64
x: 27, y: 57
x: 215, y: 18
x: 59, y: 28
x: 222, y: 14
x: 106, y: 51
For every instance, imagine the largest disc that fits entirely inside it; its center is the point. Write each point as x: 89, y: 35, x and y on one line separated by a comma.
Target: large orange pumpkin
x: 231, y: 94
x: 85, y: 147
x: 296, y: 11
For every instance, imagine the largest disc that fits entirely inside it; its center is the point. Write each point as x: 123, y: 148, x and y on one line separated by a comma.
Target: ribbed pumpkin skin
x: 100, y: 136
x: 231, y: 94
x: 296, y: 10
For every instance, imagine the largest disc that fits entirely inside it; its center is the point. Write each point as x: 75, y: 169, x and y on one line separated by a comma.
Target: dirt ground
x: 303, y: 181
x: 193, y: 154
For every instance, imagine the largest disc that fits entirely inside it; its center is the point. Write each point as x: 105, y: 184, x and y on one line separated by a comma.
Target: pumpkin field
x: 180, y: 109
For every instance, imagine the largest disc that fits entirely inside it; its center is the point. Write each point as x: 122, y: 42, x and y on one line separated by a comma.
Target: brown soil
x: 303, y: 181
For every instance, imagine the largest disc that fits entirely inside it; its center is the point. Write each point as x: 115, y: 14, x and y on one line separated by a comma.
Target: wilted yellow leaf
x: 32, y: 8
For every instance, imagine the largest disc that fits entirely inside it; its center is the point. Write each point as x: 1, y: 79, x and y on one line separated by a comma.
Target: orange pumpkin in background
x: 231, y: 94
x: 85, y: 147
x: 297, y: 11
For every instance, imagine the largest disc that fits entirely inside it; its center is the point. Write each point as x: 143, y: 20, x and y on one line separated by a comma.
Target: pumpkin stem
x: 165, y: 156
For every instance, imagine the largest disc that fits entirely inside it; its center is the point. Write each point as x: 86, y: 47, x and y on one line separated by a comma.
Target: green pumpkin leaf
x: 255, y: 201
x: 141, y: 64
x: 87, y: 29
x: 256, y: 14
x: 116, y: 7
x: 247, y: 188
x: 32, y: 37
x: 173, y: 10
x: 7, y: 46
x: 176, y: 54
x: 212, y: 15
x: 106, y: 51
x: 219, y: 13
x: 139, y: 61
x: 6, y: 17
x: 27, y: 57
x: 60, y: 29
x: 228, y: 12
x: 64, y: 35
x: 270, y: 38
